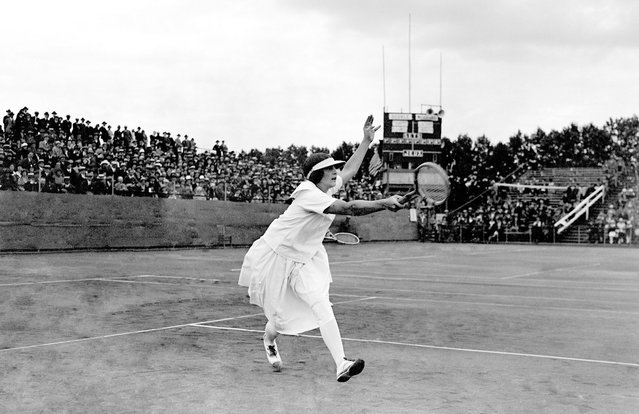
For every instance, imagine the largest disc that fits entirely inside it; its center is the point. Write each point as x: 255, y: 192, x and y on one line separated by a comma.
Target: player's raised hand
x: 369, y: 129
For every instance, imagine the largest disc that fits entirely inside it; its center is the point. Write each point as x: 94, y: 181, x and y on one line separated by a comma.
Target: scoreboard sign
x: 413, y: 153
x: 411, y: 138
x: 424, y: 130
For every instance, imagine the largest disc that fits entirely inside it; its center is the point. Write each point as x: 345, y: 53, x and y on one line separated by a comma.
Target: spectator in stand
x: 199, y: 192
x: 120, y: 188
x: 8, y: 121
x: 186, y: 191
x: 31, y: 184
x: 621, y: 230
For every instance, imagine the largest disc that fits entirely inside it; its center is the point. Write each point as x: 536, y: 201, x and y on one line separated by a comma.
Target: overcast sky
x: 267, y: 73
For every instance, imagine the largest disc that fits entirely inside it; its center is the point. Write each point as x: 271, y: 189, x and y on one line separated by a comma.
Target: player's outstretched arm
x: 355, y: 161
x: 363, y: 207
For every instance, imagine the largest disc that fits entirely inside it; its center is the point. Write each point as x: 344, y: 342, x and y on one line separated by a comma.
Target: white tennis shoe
x: 273, y: 355
x: 349, y: 368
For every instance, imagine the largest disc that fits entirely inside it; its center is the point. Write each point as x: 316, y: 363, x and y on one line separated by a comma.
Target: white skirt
x: 284, y: 288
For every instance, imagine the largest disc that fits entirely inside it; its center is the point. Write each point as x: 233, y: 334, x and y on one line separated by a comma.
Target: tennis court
x: 444, y: 328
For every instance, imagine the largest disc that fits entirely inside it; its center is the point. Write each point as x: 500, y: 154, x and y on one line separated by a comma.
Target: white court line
x: 46, y: 282
x: 502, y: 305
x: 93, y: 338
x: 203, y: 325
x: 447, y: 348
x: 491, y: 295
x: 386, y: 259
x: 167, y: 277
x: 96, y: 280
x: 197, y: 324
x: 355, y: 300
x: 560, y: 269
x: 450, y: 278
x: 462, y: 282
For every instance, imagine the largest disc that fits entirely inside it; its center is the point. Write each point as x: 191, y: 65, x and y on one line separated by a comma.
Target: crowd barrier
x: 585, y: 234
x: 32, y: 221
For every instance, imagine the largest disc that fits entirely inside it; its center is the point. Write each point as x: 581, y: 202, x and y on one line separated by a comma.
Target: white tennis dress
x: 286, y: 270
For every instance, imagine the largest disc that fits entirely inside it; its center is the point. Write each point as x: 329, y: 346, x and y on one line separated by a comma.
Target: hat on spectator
x: 47, y: 166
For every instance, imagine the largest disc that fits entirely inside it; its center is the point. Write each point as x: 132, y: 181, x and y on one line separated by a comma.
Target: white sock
x: 333, y: 340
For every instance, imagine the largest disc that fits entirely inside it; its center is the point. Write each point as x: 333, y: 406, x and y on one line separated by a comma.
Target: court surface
x: 444, y: 328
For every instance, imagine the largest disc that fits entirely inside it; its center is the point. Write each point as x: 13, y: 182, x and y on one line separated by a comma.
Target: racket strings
x: 347, y: 238
x: 432, y: 184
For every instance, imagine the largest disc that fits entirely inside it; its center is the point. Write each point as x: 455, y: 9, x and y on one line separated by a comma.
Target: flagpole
x: 384, y: 77
x: 440, y: 80
x: 409, y: 68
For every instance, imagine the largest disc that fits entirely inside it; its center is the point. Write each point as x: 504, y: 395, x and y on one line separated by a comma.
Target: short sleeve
x: 314, y: 200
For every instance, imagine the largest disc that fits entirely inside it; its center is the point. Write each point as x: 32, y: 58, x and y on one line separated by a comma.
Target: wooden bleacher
x: 562, y: 177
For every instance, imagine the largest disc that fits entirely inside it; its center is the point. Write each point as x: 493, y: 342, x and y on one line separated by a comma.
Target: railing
x: 475, y: 233
x: 582, y: 208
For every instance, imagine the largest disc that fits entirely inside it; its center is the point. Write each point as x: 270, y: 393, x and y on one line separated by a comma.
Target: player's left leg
x: 345, y: 368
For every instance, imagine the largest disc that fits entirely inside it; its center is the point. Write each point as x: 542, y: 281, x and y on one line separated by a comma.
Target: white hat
x: 328, y: 162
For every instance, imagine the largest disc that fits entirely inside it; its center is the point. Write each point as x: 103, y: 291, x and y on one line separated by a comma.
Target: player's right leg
x: 272, y: 353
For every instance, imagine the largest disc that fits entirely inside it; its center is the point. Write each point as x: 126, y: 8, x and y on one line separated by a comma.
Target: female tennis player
x: 287, y: 271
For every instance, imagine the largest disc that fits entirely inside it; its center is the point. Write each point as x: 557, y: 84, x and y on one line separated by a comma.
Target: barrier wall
x: 41, y: 221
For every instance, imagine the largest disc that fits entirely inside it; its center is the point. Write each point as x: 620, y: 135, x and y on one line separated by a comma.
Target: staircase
x: 579, y: 231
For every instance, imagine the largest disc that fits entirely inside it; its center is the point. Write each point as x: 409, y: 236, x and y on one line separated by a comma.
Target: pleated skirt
x: 285, y: 289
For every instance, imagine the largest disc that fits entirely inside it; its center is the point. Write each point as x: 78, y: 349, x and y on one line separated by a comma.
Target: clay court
x: 444, y: 328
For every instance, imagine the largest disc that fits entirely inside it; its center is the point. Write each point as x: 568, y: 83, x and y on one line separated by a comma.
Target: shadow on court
x: 443, y: 328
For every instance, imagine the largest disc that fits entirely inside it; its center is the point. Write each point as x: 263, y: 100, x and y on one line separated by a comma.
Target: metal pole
x: 409, y: 68
x: 384, y: 77
x: 578, y: 234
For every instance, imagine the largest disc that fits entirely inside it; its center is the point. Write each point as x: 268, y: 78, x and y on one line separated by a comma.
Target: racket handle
x: 408, y: 197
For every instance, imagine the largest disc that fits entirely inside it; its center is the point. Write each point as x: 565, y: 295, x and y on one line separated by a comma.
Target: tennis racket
x: 431, y: 183
x: 342, y: 238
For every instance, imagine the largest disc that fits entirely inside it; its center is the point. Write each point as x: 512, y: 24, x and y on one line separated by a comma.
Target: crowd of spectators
x: 51, y: 153
x: 55, y: 154
x: 500, y: 213
x: 531, y: 209
x: 617, y: 222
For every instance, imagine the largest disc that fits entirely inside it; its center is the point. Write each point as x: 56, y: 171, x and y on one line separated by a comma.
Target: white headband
x: 329, y: 162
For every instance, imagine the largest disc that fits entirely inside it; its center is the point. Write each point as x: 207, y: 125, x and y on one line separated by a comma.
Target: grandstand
x: 52, y: 154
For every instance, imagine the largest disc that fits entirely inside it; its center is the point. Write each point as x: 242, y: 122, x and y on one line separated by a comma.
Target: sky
x: 268, y: 73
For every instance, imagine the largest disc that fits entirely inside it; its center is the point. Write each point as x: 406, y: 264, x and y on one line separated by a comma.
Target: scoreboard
x: 411, y: 138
